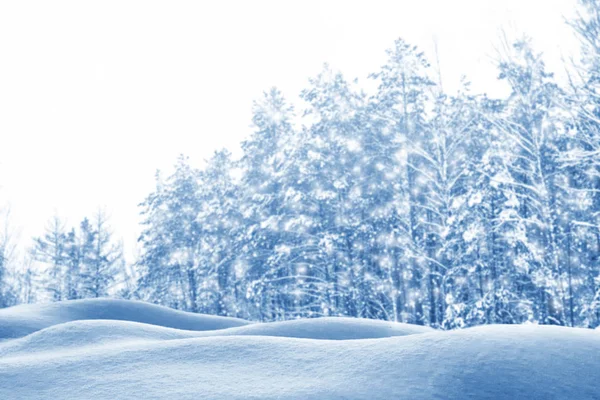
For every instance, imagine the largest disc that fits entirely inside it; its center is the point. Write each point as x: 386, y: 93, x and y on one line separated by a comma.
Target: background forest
x: 407, y: 204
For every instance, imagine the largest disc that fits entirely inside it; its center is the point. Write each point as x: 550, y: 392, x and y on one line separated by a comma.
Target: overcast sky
x: 95, y: 96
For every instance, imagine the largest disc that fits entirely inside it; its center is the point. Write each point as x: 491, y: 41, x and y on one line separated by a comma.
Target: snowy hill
x: 79, y: 358
x: 326, y: 329
x: 28, y: 318
x: 86, y: 333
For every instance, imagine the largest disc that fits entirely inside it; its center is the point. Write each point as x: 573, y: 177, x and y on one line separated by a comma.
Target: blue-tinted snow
x: 28, y: 318
x: 109, y: 359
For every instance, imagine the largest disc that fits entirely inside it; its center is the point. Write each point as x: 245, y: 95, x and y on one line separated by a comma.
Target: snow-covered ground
x: 28, y: 318
x: 111, y: 349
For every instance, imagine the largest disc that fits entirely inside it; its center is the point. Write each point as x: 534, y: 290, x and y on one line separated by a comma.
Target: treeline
x: 408, y: 204
x: 66, y: 263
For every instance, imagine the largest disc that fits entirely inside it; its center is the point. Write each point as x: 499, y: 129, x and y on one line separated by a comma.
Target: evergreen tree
x: 401, y: 102
x: 530, y: 130
x: 51, y: 251
x: 99, y: 255
x: 269, y: 157
x: 581, y: 155
x: 171, y: 273
x: 219, y: 220
x: 8, y: 295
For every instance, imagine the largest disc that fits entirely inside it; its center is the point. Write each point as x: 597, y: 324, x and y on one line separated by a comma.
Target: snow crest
x: 25, y: 319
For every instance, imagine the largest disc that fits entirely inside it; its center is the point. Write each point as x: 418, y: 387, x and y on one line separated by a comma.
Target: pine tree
x: 99, y: 255
x: 581, y: 156
x: 51, y: 251
x: 219, y: 220
x: 401, y: 102
x: 171, y: 273
x: 73, y: 261
x: 269, y: 156
x: 8, y: 295
x: 450, y: 153
x: 530, y: 129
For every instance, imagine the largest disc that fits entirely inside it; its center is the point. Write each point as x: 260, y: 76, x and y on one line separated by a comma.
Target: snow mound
x: 25, y: 319
x: 116, y: 349
x: 499, y: 362
x: 85, y: 333
x: 336, y: 328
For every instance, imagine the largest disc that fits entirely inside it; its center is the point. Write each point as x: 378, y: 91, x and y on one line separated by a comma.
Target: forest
x: 407, y: 204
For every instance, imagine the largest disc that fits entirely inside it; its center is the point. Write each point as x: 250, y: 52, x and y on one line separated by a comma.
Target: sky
x: 95, y: 96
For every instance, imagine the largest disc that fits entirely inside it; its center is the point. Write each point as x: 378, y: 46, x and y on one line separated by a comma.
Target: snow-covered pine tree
x: 481, y: 284
x: 582, y: 158
x: 8, y: 289
x: 100, y: 256
x: 51, y: 251
x: 339, y: 163
x: 271, y: 252
x: 449, y: 152
x: 169, y: 269
x: 401, y: 100
x: 530, y: 128
x: 219, y: 220
x: 73, y: 264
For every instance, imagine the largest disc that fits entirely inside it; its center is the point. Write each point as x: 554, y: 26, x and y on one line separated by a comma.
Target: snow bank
x: 25, y: 319
x: 328, y: 328
x: 108, y: 359
x: 84, y: 329
x: 500, y: 362
x: 85, y: 333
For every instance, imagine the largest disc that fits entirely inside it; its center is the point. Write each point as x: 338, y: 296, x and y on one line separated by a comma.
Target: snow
x: 28, y: 318
x: 98, y: 332
x: 76, y: 357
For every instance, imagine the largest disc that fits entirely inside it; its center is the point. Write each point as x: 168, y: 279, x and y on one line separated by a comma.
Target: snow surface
x: 78, y: 358
x: 22, y: 320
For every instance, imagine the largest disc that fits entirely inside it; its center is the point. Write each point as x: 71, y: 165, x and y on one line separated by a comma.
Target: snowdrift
x: 28, y: 318
x: 109, y: 359
x: 326, y: 329
x: 86, y: 333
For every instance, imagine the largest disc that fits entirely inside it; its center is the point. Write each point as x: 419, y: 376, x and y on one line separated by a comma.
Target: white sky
x: 95, y: 96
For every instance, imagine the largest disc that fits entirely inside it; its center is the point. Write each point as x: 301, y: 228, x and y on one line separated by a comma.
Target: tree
x: 401, y: 101
x: 531, y: 129
x: 8, y: 297
x: 51, y: 251
x: 171, y: 271
x: 268, y: 166
x: 581, y: 155
x: 219, y: 221
x: 99, y: 255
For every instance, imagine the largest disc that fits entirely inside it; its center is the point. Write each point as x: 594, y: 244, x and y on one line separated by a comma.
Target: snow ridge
x: 25, y: 319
